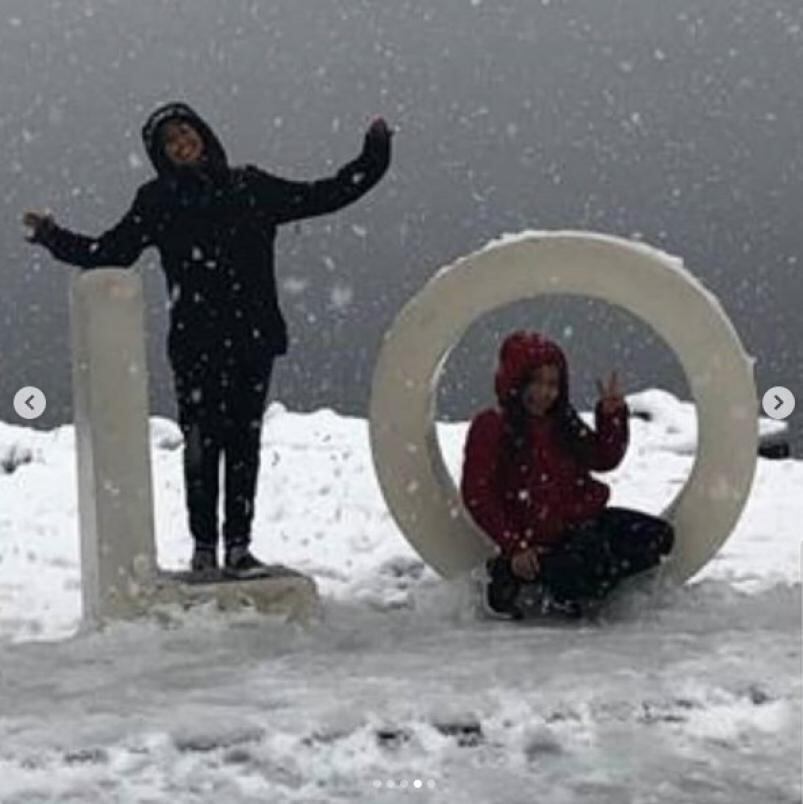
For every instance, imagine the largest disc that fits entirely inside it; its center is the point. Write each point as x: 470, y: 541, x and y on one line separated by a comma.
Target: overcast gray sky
x: 677, y: 121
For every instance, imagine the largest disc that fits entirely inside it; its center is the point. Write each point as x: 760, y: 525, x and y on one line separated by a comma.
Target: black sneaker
x: 502, y: 590
x: 242, y: 563
x: 204, y: 560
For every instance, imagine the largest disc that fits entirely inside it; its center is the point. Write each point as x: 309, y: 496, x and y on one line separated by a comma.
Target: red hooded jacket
x: 528, y: 499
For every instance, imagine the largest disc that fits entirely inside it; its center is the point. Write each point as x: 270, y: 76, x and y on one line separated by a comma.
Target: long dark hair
x: 517, y: 418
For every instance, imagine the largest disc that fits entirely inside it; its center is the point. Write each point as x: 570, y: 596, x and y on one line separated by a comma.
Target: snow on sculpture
x: 652, y: 285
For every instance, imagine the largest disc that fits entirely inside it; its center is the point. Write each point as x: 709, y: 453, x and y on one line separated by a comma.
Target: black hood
x: 151, y: 137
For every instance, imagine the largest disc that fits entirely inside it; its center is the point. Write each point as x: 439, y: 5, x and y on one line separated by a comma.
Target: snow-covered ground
x: 398, y: 693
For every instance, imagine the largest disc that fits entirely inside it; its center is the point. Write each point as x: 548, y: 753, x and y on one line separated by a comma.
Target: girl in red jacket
x: 527, y: 483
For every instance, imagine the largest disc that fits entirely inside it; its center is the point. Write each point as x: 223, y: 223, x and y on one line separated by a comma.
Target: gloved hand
x: 378, y: 134
x: 40, y: 225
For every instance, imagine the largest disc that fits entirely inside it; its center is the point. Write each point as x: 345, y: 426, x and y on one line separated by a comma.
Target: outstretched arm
x: 119, y: 246
x: 292, y: 200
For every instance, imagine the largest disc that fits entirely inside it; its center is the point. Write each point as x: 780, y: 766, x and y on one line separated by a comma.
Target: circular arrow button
x: 778, y: 402
x: 29, y: 402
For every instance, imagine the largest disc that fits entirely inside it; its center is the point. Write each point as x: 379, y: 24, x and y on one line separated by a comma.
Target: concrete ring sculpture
x: 652, y: 285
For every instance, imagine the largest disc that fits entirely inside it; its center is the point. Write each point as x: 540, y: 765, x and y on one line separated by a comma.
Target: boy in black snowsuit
x: 215, y: 227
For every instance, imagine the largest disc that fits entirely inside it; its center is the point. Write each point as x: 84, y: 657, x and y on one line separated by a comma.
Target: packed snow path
x: 399, y: 693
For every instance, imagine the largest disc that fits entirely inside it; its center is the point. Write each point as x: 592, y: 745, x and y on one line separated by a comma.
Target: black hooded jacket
x: 215, y: 228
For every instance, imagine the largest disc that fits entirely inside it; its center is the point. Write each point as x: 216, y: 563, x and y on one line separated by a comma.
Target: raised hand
x: 610, y: 395
x: 37, y: 222
x: 379, y: 129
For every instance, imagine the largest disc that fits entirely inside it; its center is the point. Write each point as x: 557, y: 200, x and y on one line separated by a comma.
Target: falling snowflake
x: 341, y: 297
x: 295, y: 285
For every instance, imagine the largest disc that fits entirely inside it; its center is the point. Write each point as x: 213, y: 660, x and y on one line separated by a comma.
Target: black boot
x: 501, y: 594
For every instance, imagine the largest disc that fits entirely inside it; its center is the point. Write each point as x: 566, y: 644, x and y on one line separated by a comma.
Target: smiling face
x: 182, y: 143
x: 542, y: 391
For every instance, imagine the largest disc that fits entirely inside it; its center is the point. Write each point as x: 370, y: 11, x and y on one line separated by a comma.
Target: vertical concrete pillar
x: 110, y: 399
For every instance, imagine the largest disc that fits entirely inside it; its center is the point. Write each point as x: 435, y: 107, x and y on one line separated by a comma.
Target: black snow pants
x: 220, y: 411
x: 591, y: 559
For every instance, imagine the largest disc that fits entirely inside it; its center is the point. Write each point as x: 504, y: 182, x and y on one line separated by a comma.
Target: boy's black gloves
x: 378, y: 135
x: 40, y: 225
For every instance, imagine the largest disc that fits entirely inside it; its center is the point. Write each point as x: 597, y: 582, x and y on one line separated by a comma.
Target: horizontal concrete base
x: 283, y: 592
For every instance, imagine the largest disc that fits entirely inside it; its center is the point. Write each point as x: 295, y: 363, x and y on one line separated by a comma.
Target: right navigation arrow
x: 778, y: 402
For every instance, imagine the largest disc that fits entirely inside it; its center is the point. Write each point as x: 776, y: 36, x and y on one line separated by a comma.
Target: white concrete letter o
x: 652, y: 285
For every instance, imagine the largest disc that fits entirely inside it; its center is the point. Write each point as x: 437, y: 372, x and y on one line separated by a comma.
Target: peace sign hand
x: 610, y: 395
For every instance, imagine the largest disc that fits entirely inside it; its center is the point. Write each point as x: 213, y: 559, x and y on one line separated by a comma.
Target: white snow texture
x: 400, y: 692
